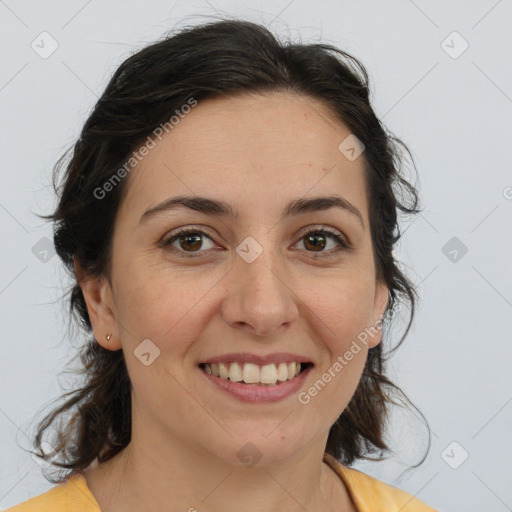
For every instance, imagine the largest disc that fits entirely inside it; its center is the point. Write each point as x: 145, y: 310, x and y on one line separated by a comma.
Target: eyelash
x: 344, y: 245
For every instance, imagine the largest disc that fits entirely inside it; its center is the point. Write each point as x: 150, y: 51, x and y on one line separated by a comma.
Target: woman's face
x: 259, y: 282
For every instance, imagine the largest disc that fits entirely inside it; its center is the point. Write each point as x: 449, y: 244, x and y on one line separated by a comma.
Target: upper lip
x: 246, y: 357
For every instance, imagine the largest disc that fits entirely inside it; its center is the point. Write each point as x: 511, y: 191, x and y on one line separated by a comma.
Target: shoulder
x: 71, y: 494
x: 373, y: 495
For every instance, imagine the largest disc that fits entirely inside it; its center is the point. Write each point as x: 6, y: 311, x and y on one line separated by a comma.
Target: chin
x: 260, y: 449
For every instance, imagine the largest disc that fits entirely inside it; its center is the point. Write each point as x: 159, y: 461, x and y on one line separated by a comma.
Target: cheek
x: 156, y: 300
x: 342, y: 318
x: 343, y: 306
x: 330, y: 392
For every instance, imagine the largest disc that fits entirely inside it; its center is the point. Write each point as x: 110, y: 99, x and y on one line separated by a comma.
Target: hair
x: 217, y: 59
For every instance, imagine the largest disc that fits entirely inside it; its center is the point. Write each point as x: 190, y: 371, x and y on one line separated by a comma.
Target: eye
x: 189, y: 241
x: 317, y: 238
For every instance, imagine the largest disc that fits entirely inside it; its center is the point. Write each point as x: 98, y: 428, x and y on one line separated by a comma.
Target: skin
x: 258, y: 153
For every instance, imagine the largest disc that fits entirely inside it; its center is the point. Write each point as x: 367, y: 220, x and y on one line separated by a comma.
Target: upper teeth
x: 252, y: 373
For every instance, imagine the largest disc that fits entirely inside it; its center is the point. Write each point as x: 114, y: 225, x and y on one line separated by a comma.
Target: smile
x: 249, y: 373
x: 281, y: 385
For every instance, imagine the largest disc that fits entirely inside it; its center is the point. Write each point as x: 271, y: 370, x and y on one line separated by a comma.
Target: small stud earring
x: 109, y: 336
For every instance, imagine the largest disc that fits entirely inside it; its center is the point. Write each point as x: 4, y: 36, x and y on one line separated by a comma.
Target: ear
x: 380, y: 304
x: 100, y: 306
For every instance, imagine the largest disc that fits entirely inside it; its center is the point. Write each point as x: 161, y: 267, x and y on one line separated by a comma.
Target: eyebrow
x: 219, y: 208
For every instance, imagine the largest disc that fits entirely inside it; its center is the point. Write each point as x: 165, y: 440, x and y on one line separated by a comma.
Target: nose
x: 259, y: 296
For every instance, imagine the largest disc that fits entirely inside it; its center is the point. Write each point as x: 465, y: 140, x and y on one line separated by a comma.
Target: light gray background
x: 455, y: 115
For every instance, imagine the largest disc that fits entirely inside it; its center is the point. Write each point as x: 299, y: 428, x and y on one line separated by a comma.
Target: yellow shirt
x: 368, y: 493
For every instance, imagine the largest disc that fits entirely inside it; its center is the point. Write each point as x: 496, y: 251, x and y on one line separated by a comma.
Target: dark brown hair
x: 220, y: 58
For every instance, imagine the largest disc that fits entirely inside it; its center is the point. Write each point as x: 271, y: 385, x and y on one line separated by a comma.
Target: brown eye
x: 190, y: 241
x: 316, y: 241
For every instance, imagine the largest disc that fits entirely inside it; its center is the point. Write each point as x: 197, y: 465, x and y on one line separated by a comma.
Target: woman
x: 228, y: 217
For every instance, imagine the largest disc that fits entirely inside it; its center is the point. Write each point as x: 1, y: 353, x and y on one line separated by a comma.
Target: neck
x: 158, y: 470
x: 150, y: 474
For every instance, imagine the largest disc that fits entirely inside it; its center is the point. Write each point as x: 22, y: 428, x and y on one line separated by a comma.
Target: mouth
x: 251, y: 374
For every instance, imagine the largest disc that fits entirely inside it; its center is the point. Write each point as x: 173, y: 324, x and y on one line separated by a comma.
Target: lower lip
x: 259, y: 393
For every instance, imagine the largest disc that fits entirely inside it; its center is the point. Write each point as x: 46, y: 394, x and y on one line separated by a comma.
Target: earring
x: 109, y: 336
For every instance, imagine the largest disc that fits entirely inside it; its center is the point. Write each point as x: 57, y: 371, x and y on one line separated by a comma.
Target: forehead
x: 259, y: 149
